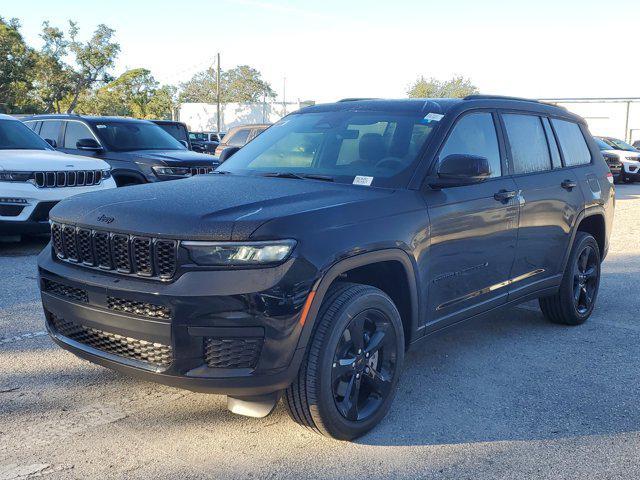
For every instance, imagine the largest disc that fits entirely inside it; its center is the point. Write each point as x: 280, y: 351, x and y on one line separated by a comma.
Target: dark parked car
x: 240, y: 136
x: 205, y: 142
x: 318, y: 253
x: 177, y: 130
x: 612, y: 158
x: 138, y: 151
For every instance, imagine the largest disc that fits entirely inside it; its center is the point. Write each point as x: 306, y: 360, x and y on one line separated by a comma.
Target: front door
x: 473, y: 229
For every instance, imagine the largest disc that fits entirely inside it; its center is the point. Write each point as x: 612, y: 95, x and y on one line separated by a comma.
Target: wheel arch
x: 592, y: 221
x: 128, y: 174
x: 364, y: 268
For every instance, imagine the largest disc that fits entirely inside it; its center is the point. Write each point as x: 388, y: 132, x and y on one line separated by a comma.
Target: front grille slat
x: 132, y: 255
x: 143, y: 309
x: 65, y: 178
x: 66, y: 291
x: 150, y: 353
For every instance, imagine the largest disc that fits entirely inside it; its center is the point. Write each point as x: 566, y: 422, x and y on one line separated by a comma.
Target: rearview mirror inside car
x: 459, y: 169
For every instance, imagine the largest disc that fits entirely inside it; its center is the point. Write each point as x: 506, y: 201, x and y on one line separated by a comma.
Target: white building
x: 202, y: 117
x: 609, y: 117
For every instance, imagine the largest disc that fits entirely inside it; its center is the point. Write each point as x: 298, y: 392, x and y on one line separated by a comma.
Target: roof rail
x: 356, y: 99
x: 499, y: 97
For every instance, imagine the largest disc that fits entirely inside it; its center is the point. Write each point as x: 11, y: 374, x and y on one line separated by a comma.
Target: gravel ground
x: 509, y: 397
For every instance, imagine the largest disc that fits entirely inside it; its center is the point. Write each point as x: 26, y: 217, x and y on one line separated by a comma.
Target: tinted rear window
x: 239, y: 138
x: 572, y: 142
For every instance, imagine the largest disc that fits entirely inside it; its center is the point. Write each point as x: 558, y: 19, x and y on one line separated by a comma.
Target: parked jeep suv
x: 322, y: 250
x: 138, y: 151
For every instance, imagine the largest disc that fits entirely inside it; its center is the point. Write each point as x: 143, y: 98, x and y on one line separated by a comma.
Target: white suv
x: 34, y: 177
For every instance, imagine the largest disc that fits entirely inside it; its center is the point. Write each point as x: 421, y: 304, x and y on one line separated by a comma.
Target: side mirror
x: 88, y: 144
x: 51, y: 142
x: 227, y: 153
x: 458, y: 170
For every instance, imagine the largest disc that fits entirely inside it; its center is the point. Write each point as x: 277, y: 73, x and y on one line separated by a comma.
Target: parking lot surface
x: 511, y: 396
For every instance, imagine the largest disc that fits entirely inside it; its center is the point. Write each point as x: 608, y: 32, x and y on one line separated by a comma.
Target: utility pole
x: 218, y: 92
x: 284, y: 96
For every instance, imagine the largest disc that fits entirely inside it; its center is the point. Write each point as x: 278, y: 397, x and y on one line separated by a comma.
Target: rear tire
x: 348, y: 378
x: 576, y: 298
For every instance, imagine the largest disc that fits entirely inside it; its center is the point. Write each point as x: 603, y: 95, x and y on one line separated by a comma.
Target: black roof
x: 443, y: 105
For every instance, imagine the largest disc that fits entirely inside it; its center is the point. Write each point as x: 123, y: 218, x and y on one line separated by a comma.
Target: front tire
x: 348, y: 378
x: 576, y: 298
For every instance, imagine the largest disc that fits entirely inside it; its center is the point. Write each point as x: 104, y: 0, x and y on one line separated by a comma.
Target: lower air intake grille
x: 151, y: 353
x: 143, y: 309
x: 61, y: 290
x: 232, y: 352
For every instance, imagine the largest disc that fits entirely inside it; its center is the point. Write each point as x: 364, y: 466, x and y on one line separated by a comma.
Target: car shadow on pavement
x: 515, y: 377
x: 27, y: 245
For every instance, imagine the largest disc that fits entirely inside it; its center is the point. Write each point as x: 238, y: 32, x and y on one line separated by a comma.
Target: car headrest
x: 372, y: 147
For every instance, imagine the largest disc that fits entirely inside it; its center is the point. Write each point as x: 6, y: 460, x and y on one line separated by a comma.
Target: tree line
x: 68, y: 74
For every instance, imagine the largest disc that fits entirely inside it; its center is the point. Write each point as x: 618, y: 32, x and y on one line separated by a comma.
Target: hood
x: 47, y: 160
x: 182, y: 157
x: 206, y: 207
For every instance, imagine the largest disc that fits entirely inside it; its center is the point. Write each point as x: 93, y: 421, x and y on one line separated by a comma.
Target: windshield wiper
x: 299, y: 176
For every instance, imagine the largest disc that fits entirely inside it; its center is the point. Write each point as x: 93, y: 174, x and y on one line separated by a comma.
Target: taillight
x: 610, y: 177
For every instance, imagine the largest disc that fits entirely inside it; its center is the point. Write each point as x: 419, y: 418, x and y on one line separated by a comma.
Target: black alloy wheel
x: 364, y: 365
x: 585, y: 279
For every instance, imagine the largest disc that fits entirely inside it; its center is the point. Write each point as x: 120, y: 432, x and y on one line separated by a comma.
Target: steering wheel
x: 391, y: 163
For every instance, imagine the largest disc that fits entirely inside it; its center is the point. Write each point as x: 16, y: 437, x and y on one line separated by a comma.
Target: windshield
x: 197, y: 136
x: 14, y: 135
x: 128, y: 136
x: 619, y: 144
x: 381, y: 148
x: 602, y: 145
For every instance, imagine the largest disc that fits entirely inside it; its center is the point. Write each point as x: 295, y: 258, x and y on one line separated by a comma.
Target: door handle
x: 568, y: 184
x: 505, y: 195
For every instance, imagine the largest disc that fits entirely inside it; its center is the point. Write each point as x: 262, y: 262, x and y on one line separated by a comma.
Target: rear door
x: 549, y: 199
x: 473, y: 228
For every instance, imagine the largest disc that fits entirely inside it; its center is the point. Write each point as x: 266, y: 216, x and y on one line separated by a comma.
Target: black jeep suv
x: 138, y: 151
x: 327, y: 246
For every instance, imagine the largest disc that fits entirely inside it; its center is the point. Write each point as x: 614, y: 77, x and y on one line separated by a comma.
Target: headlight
x: 172, y: 171
x: 238, y: 254
x: 15, y: 176
x: 106, y: 174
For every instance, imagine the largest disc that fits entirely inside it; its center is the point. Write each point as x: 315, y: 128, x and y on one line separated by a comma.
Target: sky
x: 331, y: 49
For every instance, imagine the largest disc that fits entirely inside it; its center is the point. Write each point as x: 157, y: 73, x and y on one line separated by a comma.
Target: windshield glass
x: 620, y: 145
x: 197, y: 136
x: 128, y: 136
x: 381, y: 146
x: 14, y: 135
x: 602, y: 145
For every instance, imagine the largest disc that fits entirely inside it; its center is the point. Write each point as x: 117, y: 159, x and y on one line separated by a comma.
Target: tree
x: 128, y: 95
x: 93, y: 59
x: 457, y: 87
x: 240, y: 84
x: 164, y: 103
x: 53, y: 79
x: 16, y: 62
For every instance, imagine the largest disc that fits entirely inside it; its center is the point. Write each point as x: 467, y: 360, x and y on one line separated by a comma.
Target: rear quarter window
x: 239, y: 138
x: 572, y: 143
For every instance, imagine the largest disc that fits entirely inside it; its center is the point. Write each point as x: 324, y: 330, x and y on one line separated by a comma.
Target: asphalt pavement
x: 510, y: 397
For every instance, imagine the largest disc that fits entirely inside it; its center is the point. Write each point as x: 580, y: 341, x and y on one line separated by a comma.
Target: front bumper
x: 227, y: 332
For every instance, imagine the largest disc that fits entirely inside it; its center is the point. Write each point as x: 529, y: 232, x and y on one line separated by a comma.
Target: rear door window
x: 50, y: 129
x: 475, y: 134
x: 528, y: 142
x: 75, y: 131
x: 574, y: 146
x: 239, y: 139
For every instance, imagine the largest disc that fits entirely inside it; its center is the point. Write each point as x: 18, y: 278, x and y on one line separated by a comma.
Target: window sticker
x: 433, y: 117
x: 362, y: 180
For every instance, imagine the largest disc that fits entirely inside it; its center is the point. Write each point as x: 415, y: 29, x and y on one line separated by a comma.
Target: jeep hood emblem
x: 105, y: 219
